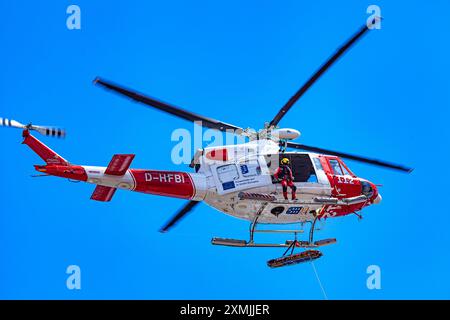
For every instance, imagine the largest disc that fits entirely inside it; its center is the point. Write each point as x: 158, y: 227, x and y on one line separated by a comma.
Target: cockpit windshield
x: 336, y: 167
x: 339, y: 168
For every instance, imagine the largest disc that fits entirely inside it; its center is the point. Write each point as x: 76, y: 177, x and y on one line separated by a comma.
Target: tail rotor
x: 44, y: 130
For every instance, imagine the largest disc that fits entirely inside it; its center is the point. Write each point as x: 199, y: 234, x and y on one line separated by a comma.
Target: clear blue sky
x: 237, y: 61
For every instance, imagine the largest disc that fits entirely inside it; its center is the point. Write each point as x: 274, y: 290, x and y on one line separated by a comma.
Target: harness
x: 285, y: 173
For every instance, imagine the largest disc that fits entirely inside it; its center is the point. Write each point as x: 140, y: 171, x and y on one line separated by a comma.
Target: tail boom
x: 170, y: 183
x: 69, y: 171
x: 183, y: 185
x: 117, y: 175
x: 175, y: 184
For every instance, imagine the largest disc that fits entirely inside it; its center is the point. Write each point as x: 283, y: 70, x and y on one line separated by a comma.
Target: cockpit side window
x: 336, y: 167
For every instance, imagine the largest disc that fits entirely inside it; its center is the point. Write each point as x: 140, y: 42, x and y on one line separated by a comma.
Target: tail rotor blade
x: 44, y: 130
x: 180, y: 215
x: 49, y: 131
x: 11, y: 123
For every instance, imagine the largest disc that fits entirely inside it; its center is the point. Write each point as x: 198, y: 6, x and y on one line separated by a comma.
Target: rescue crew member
x: 284, y: 175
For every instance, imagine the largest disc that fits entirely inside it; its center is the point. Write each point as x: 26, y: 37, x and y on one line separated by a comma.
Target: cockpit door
x: 343, y: 182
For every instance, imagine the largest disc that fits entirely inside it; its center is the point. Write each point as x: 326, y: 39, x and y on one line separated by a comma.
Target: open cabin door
x: 308, y: 173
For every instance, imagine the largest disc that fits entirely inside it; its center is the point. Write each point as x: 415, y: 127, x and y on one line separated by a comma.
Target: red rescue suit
x: 284, y: 174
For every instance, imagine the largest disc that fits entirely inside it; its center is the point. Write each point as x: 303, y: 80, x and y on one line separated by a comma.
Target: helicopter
x: 240, y: 180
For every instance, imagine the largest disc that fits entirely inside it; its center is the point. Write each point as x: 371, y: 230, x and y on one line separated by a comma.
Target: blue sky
x: 238, y: 62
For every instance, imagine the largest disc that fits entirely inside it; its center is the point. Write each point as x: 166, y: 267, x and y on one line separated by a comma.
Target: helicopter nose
x: 377, y: 199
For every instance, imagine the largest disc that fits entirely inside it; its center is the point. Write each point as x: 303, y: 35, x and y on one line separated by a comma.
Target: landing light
x: 378, y: 199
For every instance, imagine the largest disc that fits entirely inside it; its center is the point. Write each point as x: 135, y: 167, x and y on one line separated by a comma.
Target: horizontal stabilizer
x: 102, y: 193
x: 119, y: 164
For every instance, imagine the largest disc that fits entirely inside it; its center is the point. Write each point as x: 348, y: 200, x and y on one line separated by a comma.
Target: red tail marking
x: 47, y: 154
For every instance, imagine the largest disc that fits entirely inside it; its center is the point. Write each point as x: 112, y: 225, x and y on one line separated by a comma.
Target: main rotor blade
x: 185, y: 210
x: 163, y: 106
x: 350, y: 157
x: 319, y: 72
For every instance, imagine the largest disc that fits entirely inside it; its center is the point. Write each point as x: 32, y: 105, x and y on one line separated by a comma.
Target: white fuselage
x: 246, y: 169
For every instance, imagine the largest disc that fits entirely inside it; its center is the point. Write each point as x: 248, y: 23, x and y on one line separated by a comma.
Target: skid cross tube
x: 277, y: 231
x: 255, y: 221
x: 311, y: 231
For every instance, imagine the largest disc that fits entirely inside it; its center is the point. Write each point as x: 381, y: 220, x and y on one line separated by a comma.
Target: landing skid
x: 243, y: 243
x: 291, y: 245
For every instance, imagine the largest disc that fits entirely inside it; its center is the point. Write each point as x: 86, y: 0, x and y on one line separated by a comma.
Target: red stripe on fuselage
x: 164, y: 183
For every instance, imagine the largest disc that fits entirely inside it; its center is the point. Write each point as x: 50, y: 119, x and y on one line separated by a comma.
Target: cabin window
x: 336, y: 167
x: 250, y: 167
x: 312, y: 178
x: 227, y: 173
x: 318, y: 164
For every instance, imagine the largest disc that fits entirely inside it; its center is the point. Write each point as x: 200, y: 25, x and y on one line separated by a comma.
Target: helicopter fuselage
x: 235, y: 179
